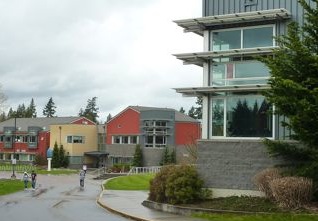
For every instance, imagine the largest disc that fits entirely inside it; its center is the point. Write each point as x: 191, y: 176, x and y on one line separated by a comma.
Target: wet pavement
x: 128, y: 204
x: 61, y: 198
x: 56, y: 198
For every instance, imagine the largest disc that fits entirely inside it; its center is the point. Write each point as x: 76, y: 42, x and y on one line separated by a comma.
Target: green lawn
x: 260, y: 217
x: 132, y: 182
x: 56, y: 171
x: 8, y: 186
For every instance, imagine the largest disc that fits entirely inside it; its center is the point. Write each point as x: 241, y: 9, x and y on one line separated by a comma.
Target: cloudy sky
x: 119, y: 51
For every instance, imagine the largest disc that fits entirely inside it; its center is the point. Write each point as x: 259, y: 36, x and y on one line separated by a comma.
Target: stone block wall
x: 232, y: 164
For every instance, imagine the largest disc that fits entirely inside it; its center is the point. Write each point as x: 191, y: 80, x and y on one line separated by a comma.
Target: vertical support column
x: 49, y: 161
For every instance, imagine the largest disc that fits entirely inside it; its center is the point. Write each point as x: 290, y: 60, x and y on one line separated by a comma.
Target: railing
x: 137, y: 170
x: 97, y: 172
x: 17, y: 167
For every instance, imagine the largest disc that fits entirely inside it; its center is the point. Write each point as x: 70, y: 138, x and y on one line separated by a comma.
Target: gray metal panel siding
x: 221, y: 7
x: 160, y: 115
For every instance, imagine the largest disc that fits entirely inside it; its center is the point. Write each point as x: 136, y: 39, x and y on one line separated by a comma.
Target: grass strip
x: 8, y: 186
x: 131, y: 182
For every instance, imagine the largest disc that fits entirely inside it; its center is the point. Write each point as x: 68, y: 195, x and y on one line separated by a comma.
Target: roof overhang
x: 198, y: 25
x: 96, y: 154
x: 199, y: 91
x: 198, y: 58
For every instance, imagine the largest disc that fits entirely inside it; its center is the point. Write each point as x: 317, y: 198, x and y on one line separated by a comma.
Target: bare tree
x: 3, y: 99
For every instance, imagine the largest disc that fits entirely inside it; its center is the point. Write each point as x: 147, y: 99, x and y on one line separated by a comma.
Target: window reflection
x: 244, y: 116
x: 248, y: 117
x: 242, y: 38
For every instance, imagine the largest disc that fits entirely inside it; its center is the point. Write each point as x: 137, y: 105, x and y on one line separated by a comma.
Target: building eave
x: 199, y: 58
x: 198, y: 25
x: 203, y: 91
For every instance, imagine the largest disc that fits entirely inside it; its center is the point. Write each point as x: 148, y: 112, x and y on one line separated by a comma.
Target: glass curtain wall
x: 241, y: 116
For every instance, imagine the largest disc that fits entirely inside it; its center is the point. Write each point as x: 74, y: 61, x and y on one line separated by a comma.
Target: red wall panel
x: 187, y: 132
x: 126, y: 122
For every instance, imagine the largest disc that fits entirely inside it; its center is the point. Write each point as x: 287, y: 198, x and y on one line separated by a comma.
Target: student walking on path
x: 25, y: 179
x: 33, y: 179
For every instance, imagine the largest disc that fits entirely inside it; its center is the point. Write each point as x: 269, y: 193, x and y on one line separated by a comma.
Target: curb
x: 114, y: 210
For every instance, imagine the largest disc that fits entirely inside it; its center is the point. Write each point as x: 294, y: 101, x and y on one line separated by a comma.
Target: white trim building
x: 235, y: 113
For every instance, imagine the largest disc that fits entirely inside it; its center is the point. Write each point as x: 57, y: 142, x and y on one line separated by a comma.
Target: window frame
x: 72, y: 138
x: 233, y: 80
x: 241, y: 36
x: 225, y: 117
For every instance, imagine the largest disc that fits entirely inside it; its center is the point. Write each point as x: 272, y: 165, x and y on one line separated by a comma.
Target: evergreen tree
x: 165, y: 157
x: 294, y: 91
x: 173, y: 156
x: 21, y: 111
x: 109, y: 117
x: 56, y: 156
x: 31, y: 110
x: 62, y: 157
x: 191, y: 112
x: 198, y: 109
x: 91, y: 110
x: 138, y: 158
x: 11, y: 113
x: 49, y: 109
x: 3, y: 117
x: 182, y: 110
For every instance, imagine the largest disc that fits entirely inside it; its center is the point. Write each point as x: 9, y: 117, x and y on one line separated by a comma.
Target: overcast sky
x: 119, y: 51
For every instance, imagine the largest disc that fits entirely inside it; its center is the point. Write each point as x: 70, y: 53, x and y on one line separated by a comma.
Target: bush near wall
x: 292, y: 192
x: 262, y: 181
x: 177, y: 184
x: 120, y: 168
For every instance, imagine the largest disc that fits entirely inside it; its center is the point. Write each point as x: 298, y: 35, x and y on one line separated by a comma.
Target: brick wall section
x: 232, y: 164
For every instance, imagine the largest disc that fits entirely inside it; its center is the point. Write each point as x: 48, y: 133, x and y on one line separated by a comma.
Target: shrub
x: 158, y: 185
x: 40, y: 160
x: 138, y: 158
x: 120, y: 168
x: 292, y: 192
x: 262, y: 181
x: 177, y: 184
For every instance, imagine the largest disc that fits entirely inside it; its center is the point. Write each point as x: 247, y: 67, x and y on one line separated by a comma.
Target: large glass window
x: 155, y: 141
x: 133, y: 139
x: 245, y: 116
x: 32, y: 139
x: 75, y: 139
x: 242, y: 38
x: 125, y: 139
x: 258, y: 37
x: 218, y: 117
x: 226, y: 40
x: 251, y: 69
x: 239, y: 73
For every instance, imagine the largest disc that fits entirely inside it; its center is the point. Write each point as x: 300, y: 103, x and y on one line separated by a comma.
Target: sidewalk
x: 128, y: 204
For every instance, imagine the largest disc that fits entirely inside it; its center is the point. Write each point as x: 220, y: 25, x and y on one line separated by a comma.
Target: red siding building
x: 154, y: 129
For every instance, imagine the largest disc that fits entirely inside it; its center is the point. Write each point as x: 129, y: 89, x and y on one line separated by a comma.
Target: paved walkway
x: 124, y: 203
x: 128, y: 204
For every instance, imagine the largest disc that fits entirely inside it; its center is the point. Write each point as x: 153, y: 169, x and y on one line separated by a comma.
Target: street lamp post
x: 14, y: 161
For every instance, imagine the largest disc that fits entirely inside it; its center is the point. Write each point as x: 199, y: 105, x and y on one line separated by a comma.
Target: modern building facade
x: 153, y: 129
x: 235, y: 113
x: 85, y: 142
x: 23, y: 138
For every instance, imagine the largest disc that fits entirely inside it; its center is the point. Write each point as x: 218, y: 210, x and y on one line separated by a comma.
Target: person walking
x: 25, y: 179
x: 33, y: 179
x: 82, y: 177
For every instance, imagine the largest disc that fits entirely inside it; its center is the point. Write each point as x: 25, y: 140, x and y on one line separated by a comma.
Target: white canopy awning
x: 197, y: 91
x: 198, y: 58
x: 198, y: 25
